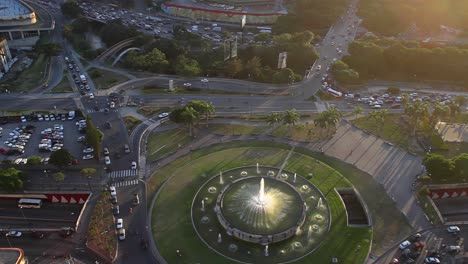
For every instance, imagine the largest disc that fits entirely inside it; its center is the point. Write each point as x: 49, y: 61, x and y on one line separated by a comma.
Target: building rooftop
x: 13, y: 8
x: 44, y: 20
x: 11, y: 255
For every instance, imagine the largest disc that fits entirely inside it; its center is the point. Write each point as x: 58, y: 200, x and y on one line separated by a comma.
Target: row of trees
x: 187, y: 55
x: 376, y: 59
x: 390, y: 17
x: 192, y: 113
x: 314, y: 15
x: 444, y: 170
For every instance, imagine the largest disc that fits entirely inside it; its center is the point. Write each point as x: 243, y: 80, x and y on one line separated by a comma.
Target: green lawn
x: 171, y: 217
x: 163, y: 143
x: 302, y: 132
x: 391, y: 130
x: 130, y: 123
x: 30, y: 78
x: 150, y: 111
x: 234, y: 129
x: 63, y: 87
x: 105, y: 79
x: 163, y: 89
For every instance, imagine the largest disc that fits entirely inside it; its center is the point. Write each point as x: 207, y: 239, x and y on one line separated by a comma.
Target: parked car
x: 106, y: 151
x: 122, y: 234
x: 88, y: 150
x: 431, y: 260
x: 119, y: 223
x: 116, y: 210
x: 113, y: 191
x: 88, y: 157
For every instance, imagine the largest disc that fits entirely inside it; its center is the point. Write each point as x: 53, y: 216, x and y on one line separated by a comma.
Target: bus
x: 29, y: 203
x: 334, y: 93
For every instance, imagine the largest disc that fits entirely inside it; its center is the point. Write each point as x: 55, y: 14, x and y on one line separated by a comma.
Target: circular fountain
x: 262, y: 213
x: 260, y: 210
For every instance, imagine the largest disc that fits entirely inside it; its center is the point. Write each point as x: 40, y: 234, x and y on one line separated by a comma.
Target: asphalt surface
x: 50, y: 215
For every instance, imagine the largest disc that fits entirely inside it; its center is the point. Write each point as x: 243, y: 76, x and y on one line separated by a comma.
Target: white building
x: 6, y: 60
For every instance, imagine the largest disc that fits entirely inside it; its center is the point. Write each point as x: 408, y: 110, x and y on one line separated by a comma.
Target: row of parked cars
x: 116, y: 211
x: 51, y: 138
x: 17, y: 140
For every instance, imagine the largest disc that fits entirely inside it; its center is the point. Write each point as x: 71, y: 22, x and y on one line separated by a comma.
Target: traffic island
x: 101, y: 230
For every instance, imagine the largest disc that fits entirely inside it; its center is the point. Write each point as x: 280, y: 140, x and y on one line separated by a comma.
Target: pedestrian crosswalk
x: 149, y: 121
x: 89, y: 111
x: 123, y: 173
x: 124, y: 183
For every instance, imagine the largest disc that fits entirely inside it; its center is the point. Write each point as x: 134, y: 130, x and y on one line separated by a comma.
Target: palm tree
x: 357, y: 111
x: 333, y: 116
x: 274, y: 118
x: 189, y: 116
x: 322, y: 120
x: 290, y: 118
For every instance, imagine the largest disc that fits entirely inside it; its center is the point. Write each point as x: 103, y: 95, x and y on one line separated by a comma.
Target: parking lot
x: 447, y: 247
x: 41, y: 138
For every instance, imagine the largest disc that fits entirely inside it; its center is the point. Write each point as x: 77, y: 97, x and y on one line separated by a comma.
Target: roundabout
x: 220, y: 208
x: 260, y: 212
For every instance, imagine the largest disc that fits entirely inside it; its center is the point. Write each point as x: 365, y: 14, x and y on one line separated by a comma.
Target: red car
x: 3, y: 151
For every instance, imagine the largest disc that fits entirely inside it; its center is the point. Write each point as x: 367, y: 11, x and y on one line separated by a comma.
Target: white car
x: 88, y: 157
x: 88, y: 150
x: 112, y: 191
x: 112, y: 105
x: 121, y: 234
x: 163, y: 115
x: 404, y: 244
x: 204, y: 80
x: 107, y: 160
x: 187, y: 84
x: 134, y: 165
x: 119, y: 223
x: 91, y: 96
x: 453, y: 229
x: 14, y: 234
x: 23, y: 119
x: 106, y: 151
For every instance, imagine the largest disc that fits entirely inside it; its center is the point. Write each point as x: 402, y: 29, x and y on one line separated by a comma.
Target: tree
x: 290, y: 117
x: 71, y: 9
x: 334, y: 115
x: 232, y: 67
x: 93, y: 137
x: 253, y: 67
x: 438, y: 166
x: 322, y: 121
x: 357, y: 111
x: 393, y: 90
x: 61, y: 158
x: 460, y: 169
x: 274, y: 118
x: 11, y: 179
x: 460, y: 100
x: 285, y: 75
x: 186, y: 67
x: 189, y: 115
x: 34, y: 160
x: 58, y: 176
x: 202, y: 108
x: 49, y: 49
x: 88, y: 172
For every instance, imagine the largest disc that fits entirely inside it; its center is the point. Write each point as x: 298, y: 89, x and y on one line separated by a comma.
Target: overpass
x: 112, y: 51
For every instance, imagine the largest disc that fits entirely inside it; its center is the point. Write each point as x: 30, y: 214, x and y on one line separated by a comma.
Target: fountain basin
x: 260, y: 213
